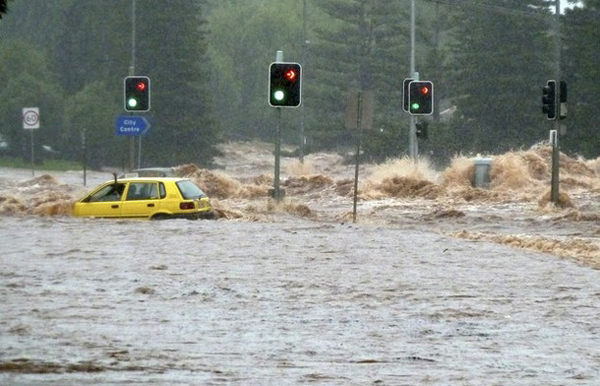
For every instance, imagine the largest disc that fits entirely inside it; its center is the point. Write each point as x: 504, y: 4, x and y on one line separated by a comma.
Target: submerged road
x: 98, y: 302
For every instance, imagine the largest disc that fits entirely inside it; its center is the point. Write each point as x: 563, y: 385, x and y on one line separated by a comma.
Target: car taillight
x: 186, y: 205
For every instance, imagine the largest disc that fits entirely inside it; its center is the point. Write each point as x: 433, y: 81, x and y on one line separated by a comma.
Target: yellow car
x: 145, y: 197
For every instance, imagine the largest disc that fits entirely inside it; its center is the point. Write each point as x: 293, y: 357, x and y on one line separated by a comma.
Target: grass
x: 47, y: 164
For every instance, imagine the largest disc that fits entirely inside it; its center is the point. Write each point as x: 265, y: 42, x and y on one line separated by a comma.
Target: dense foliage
x: 69, y: 58
x: 208, y: 61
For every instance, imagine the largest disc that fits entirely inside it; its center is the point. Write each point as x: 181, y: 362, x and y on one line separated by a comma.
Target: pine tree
x: 363, y: 48
x: 171, y: 50
x: 89, y: 48
x: 581, y: 70
x: 500, y: 61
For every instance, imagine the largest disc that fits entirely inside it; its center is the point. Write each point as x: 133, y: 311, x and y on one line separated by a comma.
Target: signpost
x: 31, y: 121
x: 127, y: 126
x: 359, y: 116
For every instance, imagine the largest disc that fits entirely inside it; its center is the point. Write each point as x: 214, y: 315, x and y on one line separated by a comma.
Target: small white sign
x: 31, y: 118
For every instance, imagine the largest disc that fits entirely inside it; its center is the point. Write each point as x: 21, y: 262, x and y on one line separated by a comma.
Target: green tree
x: 26, y: 81
x: 364, y: 48
x: 245, y: 37
x: 171, y: 50
x: 90, y: 41
x: 581, y: 70
x: 86, y: 113
x: 499, y: 62
x: 91, y: 48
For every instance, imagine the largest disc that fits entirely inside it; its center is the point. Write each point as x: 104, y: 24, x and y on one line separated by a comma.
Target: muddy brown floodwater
x: 438, y: 283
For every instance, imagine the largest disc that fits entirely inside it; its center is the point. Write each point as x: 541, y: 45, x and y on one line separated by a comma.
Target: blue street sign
x: 128, y: 125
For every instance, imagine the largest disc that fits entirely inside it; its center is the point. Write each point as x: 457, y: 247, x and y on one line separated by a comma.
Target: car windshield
x: 189, y: 190
x: 110, y: 192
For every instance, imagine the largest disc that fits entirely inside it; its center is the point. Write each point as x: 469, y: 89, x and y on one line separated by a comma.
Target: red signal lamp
x: 291, y: 75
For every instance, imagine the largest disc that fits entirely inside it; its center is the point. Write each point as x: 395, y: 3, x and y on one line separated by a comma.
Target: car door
x: 103, y: 202
x: 141, y: 199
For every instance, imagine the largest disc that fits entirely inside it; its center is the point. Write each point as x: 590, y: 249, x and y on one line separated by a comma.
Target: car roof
x: 151, y: 172
x: 148, y: 179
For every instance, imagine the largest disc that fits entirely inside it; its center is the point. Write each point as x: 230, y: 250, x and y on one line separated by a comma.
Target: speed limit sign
x: 31, y: 118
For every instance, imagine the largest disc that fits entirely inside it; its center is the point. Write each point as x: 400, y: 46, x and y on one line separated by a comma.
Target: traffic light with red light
x: 420, y: 97
x: 137, y: 93
x: 285, y: 84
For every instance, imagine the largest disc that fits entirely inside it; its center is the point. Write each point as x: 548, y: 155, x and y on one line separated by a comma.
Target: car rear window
x: 189, y: 190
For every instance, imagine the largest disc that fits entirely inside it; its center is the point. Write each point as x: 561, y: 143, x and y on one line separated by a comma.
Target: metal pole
x: 132, y: 66
x: 132, y: 73
x: 83, y: 145
x: 139, y: 163
x: 277, y: 192
x: 358, y: 143
x: 554, y: 192
x: 412, y: 129
x: 303, y: 111
x: 32, y: 155
x: 554, y: 189
x: 276, y: 188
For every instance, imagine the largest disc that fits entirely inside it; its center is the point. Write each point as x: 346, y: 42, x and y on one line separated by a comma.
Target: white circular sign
x: 31, y: 118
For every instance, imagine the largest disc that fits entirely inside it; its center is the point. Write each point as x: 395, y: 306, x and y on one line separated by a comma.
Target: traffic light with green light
x: 137, y: 93
x: 420, y: 97
x: 285, y: 84
x: 549, y: 99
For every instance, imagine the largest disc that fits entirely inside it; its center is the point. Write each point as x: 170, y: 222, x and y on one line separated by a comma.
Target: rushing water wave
x: 438, y: 282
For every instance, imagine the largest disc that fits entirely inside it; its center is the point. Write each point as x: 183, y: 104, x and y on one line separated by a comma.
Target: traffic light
x: 420, y: 97
x: 137, y: 93
x: 549, y: 99
x: 563, y: 100
x: 3, y: 7
x: 422, y: 130
x: 285, y: 84
x: 405, y: 85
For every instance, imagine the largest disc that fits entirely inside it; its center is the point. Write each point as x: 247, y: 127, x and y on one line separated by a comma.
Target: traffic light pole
x: 413, y: 146
x: 276, y: 188
x: 554, y: 184
x: 302, y: 109
x: 358, y: 143
x: 132, y: 73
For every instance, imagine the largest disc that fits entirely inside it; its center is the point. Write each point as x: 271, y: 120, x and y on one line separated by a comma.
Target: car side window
x: 163, y: 191
x: 142, y: 191
x: 112, y: 192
